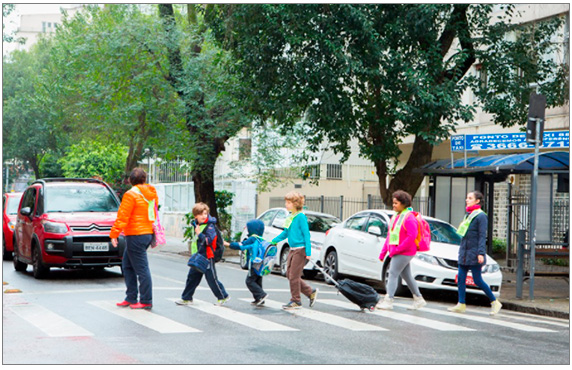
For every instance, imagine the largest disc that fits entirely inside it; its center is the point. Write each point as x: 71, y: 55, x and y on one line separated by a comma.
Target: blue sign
x: 509, y: 141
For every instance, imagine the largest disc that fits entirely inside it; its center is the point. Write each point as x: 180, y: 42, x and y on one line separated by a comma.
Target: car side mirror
x: 374, y: 230
x: 26, y: 211
x: 279, y: 224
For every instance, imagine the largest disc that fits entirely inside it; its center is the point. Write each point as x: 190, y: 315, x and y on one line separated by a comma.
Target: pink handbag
x: 158, y: 231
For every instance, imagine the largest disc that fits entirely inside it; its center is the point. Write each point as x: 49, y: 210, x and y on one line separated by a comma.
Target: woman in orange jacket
x: 135, y: 219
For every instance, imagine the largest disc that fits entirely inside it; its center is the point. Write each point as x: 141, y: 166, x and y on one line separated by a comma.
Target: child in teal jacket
x: 297, y: 231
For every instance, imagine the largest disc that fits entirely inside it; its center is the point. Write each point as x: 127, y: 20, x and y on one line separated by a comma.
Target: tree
x: 202, y: 76
x: 380, y: 73
x: 28, y: 134
x: 106, y: 70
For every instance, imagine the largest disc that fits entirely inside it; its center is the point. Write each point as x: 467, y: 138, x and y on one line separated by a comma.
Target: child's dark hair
x: 478, y: 196
x: 402, y: 197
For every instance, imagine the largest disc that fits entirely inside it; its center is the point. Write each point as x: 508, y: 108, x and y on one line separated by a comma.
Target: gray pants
x: 399, y: 266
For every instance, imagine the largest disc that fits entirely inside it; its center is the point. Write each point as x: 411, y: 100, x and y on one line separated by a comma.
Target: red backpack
x: 423, y: 239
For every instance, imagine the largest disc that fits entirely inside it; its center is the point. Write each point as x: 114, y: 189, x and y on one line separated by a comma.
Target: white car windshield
x: 79, y: 199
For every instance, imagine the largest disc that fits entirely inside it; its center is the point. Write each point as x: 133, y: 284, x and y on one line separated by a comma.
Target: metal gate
x: 518, y: 234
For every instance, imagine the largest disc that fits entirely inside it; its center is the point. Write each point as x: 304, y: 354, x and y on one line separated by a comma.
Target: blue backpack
x: 264, y: 257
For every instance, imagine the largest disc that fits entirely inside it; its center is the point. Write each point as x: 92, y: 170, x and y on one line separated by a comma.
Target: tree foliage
x: 27, y: 130
x: 380, y: 72
x: 90, y: 159
x: 108, y: 72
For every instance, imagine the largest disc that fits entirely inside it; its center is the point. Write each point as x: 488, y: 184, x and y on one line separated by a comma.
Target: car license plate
x: 96, y: 247
x: 468, y: 281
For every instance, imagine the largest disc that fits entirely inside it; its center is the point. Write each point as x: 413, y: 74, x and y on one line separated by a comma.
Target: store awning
x: 499, y: 164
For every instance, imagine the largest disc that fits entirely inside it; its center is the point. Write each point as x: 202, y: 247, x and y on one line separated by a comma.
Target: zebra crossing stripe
x: 145, y: 318
x: 327, y: 318
x: 411, y: 319
x: 49, y: 322
x: 251, y: 321
x: 486, y: 320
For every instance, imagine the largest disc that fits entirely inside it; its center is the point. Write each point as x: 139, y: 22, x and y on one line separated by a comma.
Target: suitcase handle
x: 325, y: 273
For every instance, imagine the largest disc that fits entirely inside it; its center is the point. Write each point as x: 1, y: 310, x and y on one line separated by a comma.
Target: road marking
x: 49, y: 322
x: 486, y: 320
x: 416, y: 320
x: 251, y: 321
x: 327, y: 318
x: 146, y: 318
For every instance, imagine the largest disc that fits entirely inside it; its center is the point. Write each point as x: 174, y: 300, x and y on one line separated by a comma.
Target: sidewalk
x: 551, y: 294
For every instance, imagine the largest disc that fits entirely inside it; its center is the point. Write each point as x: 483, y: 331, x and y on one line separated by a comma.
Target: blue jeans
x: 477, y: 278
x: 194, y: 279
x: 136, y: 267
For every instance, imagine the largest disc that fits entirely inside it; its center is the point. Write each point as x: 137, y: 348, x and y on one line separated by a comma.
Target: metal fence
x: 343, y: 207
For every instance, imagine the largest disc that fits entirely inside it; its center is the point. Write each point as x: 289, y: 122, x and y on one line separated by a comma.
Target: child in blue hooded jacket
x: 255, y: 230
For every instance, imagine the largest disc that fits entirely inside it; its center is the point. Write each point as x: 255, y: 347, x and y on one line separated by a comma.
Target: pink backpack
x: 423, y: 239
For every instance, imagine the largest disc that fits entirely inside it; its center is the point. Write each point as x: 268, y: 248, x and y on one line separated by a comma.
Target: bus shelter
x: 451, y: 180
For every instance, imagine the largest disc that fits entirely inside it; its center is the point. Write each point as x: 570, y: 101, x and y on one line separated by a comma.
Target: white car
x: 353, y: 248
x: 274, y: 219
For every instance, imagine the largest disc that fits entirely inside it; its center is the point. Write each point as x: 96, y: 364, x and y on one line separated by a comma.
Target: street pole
x: 536, y: 114
x: 533, y: 201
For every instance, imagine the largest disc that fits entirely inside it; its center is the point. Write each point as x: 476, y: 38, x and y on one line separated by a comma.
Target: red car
x: 66, y: 223
x: 10, y: 201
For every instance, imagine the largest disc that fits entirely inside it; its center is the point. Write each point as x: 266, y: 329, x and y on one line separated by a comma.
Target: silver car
x: 274, y: 219
x: 353, y: 248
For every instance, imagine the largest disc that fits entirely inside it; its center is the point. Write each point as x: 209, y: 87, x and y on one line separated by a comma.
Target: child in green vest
x: 205, y: 244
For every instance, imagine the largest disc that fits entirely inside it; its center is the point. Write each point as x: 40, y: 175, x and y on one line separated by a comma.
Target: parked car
x: 66, y: 223
x: 319, y: 224
x: 10, y: 202
x: 353, y: 248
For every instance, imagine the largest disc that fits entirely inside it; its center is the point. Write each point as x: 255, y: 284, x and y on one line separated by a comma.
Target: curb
x: 535, y: 310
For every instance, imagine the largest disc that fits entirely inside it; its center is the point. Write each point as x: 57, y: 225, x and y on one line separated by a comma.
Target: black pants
x: 254, y: 284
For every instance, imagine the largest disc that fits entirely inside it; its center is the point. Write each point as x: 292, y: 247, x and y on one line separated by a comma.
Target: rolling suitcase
x: 361, y: 294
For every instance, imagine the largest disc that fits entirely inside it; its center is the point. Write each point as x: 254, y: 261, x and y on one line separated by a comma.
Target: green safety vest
x: 396, y: 228
x: 150, y: 203
x: 289, y: 219
x: 464, y: 226
x: 194, y: 247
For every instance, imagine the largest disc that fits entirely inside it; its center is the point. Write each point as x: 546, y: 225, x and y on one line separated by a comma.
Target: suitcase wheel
x: 372, y: 308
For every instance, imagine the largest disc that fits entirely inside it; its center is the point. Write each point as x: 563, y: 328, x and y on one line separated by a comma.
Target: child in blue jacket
x: 255, y: 230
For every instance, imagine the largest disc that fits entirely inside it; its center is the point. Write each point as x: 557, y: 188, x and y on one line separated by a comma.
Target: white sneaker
x: 184, y: 302
x: 495, y: 307
x: 222, y: 302
x: 459, y: 308
x: 387, y: 304
x: 418, y: 302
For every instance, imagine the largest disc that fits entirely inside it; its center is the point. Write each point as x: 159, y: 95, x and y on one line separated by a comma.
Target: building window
x: 334, y: 172
x: 244, y: 149
x: 312, y: 172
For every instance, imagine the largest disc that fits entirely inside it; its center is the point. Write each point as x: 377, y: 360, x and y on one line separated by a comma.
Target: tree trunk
x: 203, y: 183
x: 405, y: 179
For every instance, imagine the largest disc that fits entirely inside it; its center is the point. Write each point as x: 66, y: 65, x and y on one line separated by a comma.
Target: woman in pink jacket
x: 400, y: 244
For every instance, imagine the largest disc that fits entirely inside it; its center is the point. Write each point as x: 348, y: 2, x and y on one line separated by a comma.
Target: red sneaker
x: 141, y: 305
x: 123, y: 304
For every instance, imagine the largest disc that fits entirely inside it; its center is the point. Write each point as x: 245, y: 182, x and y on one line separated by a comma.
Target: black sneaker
x: 292, y: 306
x: 260, y: 301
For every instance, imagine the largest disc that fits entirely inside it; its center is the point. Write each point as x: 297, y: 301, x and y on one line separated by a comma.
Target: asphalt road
x: 71, y: 318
